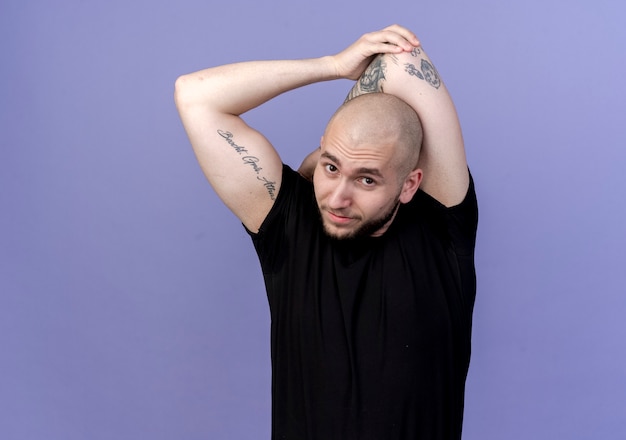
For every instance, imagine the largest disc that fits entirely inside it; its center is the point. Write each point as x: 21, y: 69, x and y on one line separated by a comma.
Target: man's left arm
x: 412, y: 77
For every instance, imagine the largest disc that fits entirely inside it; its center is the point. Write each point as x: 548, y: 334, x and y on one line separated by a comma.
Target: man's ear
x: 411, y: 184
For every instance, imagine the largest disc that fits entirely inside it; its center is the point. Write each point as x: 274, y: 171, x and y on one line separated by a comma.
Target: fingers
x: 352, y: 61
x: 405, y: 33
x: 395, y: 35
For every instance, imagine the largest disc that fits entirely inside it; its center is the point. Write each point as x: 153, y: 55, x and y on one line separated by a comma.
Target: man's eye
x: 331, y: 168
x: 368, y: 181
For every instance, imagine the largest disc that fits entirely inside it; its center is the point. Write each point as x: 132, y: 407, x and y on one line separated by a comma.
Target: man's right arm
x: 239, y: 162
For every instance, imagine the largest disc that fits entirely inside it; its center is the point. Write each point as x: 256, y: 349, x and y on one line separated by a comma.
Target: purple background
x: 131, y: 301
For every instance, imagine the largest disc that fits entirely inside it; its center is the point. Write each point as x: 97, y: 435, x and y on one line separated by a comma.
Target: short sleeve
x: 458, y: 223
x: 462, y: 222
x: 291, y: 207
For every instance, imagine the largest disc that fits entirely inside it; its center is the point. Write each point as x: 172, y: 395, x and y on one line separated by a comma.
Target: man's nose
x: 341, y: 197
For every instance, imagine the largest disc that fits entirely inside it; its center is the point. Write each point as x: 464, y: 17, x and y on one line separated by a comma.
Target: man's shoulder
x: 295, y: 188
x: 456, y: 223
x: 295, y: 200
x: 424, y: 200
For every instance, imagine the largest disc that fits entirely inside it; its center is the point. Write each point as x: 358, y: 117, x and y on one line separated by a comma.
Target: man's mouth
x: 338, y: 218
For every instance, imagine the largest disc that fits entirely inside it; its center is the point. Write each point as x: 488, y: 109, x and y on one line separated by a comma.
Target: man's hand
x: 352, y: 61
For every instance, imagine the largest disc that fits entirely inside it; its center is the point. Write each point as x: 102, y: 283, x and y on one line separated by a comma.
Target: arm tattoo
x: 373, y: 77
x: 430, y: 74
x: 251, y: 161
x: 427, y: 72
x: 413, y: 71
x: 371, y: 80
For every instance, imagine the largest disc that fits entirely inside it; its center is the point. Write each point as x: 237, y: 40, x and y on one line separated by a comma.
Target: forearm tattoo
x: 373, y: 77
x: 251, y: 161
x: 371, y: 80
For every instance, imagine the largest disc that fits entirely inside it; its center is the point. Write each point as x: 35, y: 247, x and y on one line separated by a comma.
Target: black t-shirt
x: 370, y: 337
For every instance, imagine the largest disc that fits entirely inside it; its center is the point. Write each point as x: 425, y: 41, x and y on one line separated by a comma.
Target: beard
x: 365, y: 229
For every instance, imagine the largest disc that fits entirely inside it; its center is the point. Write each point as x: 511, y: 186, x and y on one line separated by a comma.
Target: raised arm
x: 239, y: 162
x: 412, y: 77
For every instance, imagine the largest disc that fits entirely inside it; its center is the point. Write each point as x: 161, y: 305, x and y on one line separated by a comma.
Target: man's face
x: 357, y: 188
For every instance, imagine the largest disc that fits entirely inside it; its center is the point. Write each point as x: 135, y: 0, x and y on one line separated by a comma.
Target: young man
x: 368, y: 268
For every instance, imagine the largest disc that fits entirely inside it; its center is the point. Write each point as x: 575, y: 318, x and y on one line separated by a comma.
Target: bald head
x: 382, y: 118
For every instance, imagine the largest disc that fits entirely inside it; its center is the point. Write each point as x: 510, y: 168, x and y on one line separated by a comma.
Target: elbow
x: 182, y: 92
x: 194, y: 90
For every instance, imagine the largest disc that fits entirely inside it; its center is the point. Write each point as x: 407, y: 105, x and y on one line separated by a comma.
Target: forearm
x: 236, y: 88
x: 410, y: 75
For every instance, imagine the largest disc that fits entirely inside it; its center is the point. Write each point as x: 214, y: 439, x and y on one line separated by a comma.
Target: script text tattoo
x: 249, y: 160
